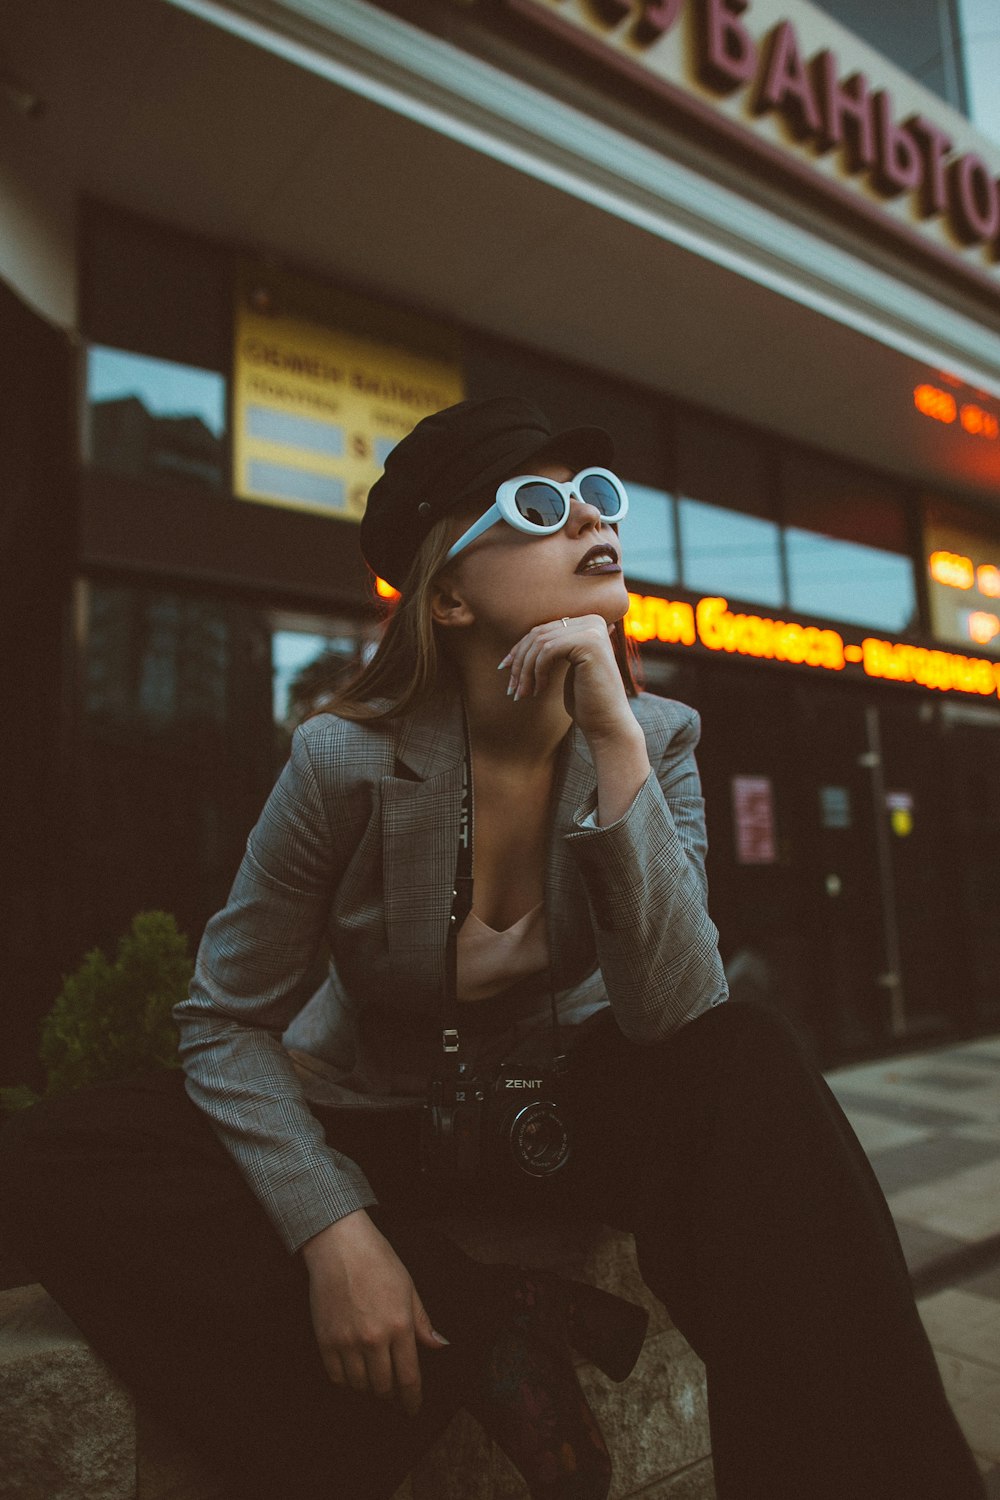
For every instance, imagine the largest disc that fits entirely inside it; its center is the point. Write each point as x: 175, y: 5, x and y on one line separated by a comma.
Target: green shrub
x: 112, y: 1019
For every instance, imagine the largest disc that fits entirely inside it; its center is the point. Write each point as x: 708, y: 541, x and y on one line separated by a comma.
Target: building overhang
x: 345, y: 140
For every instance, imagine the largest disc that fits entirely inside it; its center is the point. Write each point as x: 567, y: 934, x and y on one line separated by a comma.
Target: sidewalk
x: 930, y: 1124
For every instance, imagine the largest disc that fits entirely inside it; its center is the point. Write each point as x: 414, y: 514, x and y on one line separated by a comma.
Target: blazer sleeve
x: 657, y: 946
x: 247, y: 985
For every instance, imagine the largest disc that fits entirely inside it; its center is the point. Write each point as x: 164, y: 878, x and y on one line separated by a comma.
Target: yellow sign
x: 324, y: 386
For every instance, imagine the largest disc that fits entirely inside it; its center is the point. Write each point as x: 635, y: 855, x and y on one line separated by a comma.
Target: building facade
x: 248, y: 244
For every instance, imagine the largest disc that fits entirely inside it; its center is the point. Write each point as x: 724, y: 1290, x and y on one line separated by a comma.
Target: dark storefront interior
x: 886, y: 810
x: 875, y: 918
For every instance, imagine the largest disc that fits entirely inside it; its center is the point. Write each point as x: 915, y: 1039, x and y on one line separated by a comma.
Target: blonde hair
x: 409, y: 662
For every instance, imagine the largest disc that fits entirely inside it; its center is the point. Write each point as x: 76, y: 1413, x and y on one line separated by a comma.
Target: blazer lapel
x: 421, y: 807
x: 571, y: 941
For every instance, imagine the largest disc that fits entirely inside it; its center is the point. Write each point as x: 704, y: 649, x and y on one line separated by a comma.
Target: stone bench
x: 68, y: 1431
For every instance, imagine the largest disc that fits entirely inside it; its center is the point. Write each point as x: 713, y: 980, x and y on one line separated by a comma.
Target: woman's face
x: 512, y: 581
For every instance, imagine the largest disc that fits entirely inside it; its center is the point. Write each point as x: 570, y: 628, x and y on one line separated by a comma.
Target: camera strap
x: 461, y: 906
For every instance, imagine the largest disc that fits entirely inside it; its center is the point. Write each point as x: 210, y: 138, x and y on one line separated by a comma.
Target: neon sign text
x: 941, y: 406
x: 712, y: 624
x: 953, y: 569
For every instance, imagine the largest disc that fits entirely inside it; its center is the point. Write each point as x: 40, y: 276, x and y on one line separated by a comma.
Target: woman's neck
x: 527, y: 730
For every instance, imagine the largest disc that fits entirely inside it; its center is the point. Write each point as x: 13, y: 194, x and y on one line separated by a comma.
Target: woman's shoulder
x: 665, y: 721
x: 352, y: 748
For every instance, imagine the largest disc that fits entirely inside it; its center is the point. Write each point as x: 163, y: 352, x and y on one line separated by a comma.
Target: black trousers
x: 758, y: 1222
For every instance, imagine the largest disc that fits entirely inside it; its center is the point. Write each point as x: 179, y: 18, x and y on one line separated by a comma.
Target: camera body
x: 517, y: 1123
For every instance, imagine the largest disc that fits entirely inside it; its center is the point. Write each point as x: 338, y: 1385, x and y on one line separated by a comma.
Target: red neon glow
x: 935, y: 403
x: 941, y: 406
x: 980, y: 423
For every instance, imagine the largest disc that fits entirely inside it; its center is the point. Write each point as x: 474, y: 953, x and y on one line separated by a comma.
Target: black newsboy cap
x: 455, y: 455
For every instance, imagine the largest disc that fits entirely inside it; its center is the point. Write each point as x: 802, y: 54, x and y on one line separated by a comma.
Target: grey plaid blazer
x: 356, y: 849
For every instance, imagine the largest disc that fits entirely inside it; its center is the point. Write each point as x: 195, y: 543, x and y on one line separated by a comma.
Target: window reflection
x: 919, y: 36
x: 730, y: 540
x: 159, y: 661
x: 649, y: 550
x: 189, y: 702
x: 848, y: 581
x: 155, y: 418
x: 307, y: 667
x: 847, y: 544
x: 727, y: 552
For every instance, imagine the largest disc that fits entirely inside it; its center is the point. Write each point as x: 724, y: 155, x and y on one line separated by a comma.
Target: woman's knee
x: 737, y: 1039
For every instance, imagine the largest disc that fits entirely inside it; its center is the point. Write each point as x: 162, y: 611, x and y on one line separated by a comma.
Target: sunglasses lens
x: 540, y: 504
x: 600, y: 492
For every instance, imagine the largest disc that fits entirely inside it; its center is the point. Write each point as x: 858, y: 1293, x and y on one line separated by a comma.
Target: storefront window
x: 962, y: 549
x: 649, y: 548
x: 308, y: 665
x: 154, y: 418
x: 189, y: 702
x: 846, y: 545
x: 979, y: 24
x: 919, y: 36
x: 730, y: 540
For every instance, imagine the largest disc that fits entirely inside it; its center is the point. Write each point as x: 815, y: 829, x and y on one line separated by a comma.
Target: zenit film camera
x: 516, y: 1123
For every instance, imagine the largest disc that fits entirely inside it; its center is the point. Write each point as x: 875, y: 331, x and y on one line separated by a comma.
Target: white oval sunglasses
x: 540, y: 506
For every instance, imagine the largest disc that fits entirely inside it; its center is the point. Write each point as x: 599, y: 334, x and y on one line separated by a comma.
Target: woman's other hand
x: 594, y: 696
x: 366, y: 1313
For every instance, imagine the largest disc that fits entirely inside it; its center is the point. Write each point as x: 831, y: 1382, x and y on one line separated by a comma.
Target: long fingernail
x: 440, y: 1337
x: 511, y: 693
x: 505, y: 661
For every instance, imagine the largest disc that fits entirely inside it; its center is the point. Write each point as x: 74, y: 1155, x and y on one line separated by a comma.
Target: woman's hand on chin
x: 593, y: 690
x: 595, y: 697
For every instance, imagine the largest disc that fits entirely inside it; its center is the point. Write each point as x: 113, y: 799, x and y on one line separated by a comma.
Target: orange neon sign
x: 988, y: 579
x: 386, y: 590
x: 953, y: 569
x: 983, y: 627
x: 712, y: 624
x: 941, y: 406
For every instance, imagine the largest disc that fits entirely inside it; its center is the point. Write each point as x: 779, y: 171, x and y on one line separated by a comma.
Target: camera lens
x: 539, y: 1139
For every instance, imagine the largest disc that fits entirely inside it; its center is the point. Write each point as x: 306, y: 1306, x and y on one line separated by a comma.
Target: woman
x: 298, y: 1316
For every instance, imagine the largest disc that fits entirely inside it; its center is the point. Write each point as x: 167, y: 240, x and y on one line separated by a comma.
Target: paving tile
x: 986, y: 1284
x: 879, y: 1133
x: 960, y: 1079
x: 981, y: 1130
x: 978, y: 1057
x: 991, y: 1479
x: 923, y: 1246
x: 978, y: 1104
x: 921, y: 1162
x: 896, y: 1108
x: 968, y: 1379
x: 980, y: 1421
x: 966, y: 1205
x: 959, y: 1322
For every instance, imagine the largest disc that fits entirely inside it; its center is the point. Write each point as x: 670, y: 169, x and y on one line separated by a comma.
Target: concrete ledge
x: 68, y: 1431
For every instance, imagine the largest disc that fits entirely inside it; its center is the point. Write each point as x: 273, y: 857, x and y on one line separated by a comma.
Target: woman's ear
x: 448, y: 608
